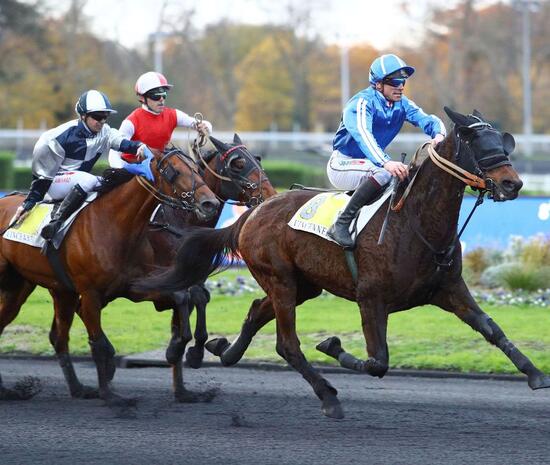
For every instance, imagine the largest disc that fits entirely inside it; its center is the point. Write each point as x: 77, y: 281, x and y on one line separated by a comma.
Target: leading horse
x: 418, y: 263
x: 101, y: 253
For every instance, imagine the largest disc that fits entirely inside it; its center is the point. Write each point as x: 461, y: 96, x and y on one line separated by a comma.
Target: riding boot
x: 364, y: 194
x: 68, y: 206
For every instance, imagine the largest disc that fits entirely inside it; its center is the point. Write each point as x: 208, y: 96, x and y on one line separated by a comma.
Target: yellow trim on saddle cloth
x: 319, y: 213
x: 28, y: 231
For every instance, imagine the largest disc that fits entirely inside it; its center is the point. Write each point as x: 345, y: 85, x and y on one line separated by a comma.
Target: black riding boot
x: 367, y: 191
x: 68, y: 206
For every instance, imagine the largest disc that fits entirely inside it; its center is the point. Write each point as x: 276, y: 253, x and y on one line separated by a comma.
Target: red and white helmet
x: 151, y: 80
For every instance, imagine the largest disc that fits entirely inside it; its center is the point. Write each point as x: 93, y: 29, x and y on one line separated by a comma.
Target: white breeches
x: 347, y: 173
x: 64, y: 182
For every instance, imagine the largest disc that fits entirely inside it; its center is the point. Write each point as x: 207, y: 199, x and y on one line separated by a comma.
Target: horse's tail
x: 202, y: 251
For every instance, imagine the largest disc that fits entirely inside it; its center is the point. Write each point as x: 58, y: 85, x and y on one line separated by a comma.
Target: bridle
x: 180, y: 200
x: 477, y: 180
x: 239, y: 184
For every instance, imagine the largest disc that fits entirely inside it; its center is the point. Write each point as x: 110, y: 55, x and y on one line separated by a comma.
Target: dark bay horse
x: 419, y: 262
x: 101, y: 253
x: 233, y: 174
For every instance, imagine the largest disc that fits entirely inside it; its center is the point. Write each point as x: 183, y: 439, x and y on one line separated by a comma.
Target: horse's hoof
x: 331, y: 347
x: 190, y: 397
x: 539, y: 381
x: 85, y: 392
x: 193, y: 357
x: 217, y: 346
x: 331, y: 408
x: 23, y: 389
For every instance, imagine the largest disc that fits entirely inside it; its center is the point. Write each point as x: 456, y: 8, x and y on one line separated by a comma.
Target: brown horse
x: 419, y: 262
x: 101, y: 254
x: 233, y: 174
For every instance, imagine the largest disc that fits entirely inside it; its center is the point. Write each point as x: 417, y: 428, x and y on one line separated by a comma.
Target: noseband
x: 183, y: 200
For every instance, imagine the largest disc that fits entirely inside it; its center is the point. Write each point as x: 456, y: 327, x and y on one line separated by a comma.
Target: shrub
x: 536, y: 252
x: 6, y: 169
x: 493, y: 276
x: 527, y: 278
x: 22, y: 177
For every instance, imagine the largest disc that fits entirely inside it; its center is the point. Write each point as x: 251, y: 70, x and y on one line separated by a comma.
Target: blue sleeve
x: 129, y: 146
x: 430, y: 124
x: 358, y: 117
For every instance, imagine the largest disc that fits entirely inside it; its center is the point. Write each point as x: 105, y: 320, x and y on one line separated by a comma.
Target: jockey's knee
x: 382, y: 176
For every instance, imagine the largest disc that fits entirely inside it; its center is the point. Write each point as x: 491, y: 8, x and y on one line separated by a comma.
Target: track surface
x: 262, y: 417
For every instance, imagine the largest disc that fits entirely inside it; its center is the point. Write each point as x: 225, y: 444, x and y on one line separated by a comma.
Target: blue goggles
x: 395, y: 82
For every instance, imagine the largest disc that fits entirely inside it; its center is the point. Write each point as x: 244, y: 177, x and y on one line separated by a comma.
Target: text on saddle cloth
x: 319, y: 213
x: 28, y: 230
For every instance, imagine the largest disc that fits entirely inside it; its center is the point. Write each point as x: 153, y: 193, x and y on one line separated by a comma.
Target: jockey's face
x: 392, y: 93
x: 155, y: 100
x: 95, y: 121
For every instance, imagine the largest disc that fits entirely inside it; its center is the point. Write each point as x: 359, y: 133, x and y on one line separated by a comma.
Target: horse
x: 101, y: 253
x: 232, y: 173
x: 418, y: 263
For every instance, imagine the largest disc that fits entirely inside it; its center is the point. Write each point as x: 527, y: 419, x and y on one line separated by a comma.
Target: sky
x: 130, y: 22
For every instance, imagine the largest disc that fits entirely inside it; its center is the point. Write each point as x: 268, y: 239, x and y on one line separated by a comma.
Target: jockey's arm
x: 115, y: 156
x: 186, y: 121
x: 430, y: 124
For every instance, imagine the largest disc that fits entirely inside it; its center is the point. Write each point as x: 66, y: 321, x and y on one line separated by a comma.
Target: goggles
x: 99, y: 116
x: 156, y: 96
x: 395, y: 82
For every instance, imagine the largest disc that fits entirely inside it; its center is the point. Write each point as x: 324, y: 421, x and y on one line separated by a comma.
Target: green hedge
x: 283, y: 174
x: 6, y: 170
x: 22, y: 177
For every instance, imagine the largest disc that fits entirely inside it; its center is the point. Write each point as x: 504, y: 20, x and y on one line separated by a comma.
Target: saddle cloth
x: 28, y: 231
x: 320, y: 212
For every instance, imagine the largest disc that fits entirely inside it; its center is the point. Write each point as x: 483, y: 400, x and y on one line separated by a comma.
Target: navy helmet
x: 91, y: 101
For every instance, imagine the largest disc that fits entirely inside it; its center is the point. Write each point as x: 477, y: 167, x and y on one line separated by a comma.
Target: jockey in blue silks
x: 370, y: 121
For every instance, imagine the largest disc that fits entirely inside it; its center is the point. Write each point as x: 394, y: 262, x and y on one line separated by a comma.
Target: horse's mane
x: 112, y: 178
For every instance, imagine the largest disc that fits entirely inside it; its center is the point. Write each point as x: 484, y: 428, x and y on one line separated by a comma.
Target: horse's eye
x: 237, y: 164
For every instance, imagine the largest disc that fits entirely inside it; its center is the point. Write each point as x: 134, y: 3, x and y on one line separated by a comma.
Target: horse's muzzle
x: 207, y: 209
x: 506, y: 189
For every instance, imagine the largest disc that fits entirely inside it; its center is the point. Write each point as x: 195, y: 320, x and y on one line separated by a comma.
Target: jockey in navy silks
x: 370, y: 121
x: 64, y: 156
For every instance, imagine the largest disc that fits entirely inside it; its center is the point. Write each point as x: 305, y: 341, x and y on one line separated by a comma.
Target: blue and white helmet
x: 385, y: 65
x: 93, y: 100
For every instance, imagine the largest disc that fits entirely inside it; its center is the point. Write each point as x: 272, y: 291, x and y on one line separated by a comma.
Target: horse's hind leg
x: 282, y: 291
x: 14, y: 290
x: 199, y: 297
x: 457, y: 299
x: 65, y: 305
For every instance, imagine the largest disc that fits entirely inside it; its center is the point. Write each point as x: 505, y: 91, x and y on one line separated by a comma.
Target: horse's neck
x: 133, y: 205
x: 436, y: 204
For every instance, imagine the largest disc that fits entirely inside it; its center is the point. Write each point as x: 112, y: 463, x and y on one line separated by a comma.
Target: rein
x: 169, y: 173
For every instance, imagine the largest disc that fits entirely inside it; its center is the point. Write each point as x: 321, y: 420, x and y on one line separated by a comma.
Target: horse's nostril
x: 209, y: 206
x: 512, y: 186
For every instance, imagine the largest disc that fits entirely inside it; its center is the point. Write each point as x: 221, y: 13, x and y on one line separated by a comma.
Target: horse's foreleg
x: 260, y: 313
x: 181, y: 335
x: 374, y: 320
x: 457, y: 299
x: 65, y: 306
x: 102, y: 351
x: 199, y: 297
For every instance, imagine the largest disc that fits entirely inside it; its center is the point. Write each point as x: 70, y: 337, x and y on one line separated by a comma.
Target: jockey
x: 64, y: 156
x: 153, y: 123
x: 370, y: 121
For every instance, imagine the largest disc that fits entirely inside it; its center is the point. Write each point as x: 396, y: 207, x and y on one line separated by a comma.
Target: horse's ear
x: 456, y: 117
x: 237, y: 140
x: 220, y: 146
x: 478, y: 114
x: 508, y: 143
